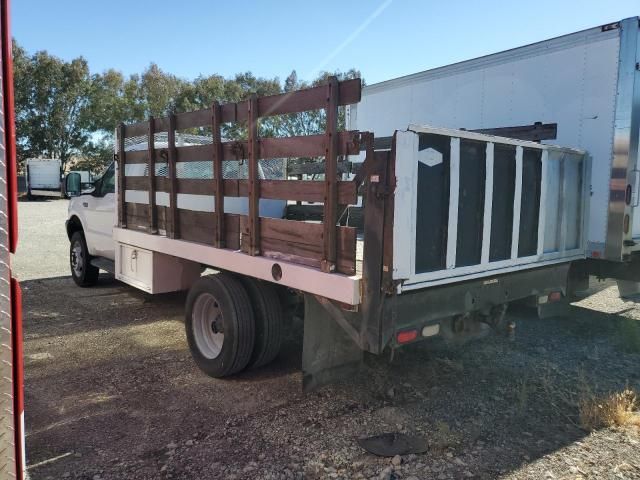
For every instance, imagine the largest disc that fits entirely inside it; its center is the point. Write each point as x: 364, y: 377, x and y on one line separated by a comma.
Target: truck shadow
x: 109, y: 378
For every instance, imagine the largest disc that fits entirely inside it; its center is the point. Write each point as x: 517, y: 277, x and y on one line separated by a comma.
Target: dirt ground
x: 112, y: 393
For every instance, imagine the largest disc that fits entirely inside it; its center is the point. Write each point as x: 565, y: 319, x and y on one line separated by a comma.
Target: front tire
x: 220, y: 325
x: 82, y: 272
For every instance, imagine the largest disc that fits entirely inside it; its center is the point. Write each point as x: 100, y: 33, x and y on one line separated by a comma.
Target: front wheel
x: 83, y: 273
x: 220, y: 325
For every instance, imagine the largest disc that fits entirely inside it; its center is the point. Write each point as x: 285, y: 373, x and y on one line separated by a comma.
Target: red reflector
x: 407, y: 336
x: 555, y: 296
x: 595, y: 254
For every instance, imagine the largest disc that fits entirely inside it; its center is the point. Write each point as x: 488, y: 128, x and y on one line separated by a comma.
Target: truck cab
x: 90, y: 221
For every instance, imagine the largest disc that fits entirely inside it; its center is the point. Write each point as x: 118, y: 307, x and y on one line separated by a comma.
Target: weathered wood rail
x: 325, y: 245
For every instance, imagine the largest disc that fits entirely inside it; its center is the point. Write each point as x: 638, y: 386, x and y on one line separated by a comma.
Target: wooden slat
x: 194, y: 153
x: 254, y: 184
x: 139, y: 183
x: 218, y: 178
x: 198, y: 227
x: 136, y: 129
x: 231, y: 188
x: 308, y: 145
x: 331, y: 177
x: 162, y: 124
x: 348, y: 92
x: 197, y: 118
x: 284, y: 147
x: 194, y: 186
x: 302, y: 190
x: 305, y: 191
x: 301, y: 242
x: 137, y: 216
x: 292, y: 102
x: 232, y: 231
x: 137, y: 156
x: 153, y: 217
x: 122, y: 208
x: 174, y: 228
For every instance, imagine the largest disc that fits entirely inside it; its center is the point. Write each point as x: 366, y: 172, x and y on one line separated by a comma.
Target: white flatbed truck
x: 457, y: 223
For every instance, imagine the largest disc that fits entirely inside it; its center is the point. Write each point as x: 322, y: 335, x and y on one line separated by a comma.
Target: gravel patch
x: 112, y: 393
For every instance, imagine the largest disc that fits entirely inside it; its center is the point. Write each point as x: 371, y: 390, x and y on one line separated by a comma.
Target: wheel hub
x: 208, y: 325
x: 77, y: 259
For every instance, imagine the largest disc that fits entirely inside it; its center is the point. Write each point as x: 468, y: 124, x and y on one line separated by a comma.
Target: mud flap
x: 328, y: 352
x: 628, y: 290
x: 560, y: 308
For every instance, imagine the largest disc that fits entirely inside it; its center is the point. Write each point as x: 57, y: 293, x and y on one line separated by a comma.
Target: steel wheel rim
x: 206, y: 319
x: 77, y: 259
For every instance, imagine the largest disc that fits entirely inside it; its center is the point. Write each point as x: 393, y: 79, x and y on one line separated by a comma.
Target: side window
x: 108, y: 181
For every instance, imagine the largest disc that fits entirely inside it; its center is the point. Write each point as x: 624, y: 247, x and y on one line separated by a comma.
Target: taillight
x: 406, y: 336
x: 555, y: 296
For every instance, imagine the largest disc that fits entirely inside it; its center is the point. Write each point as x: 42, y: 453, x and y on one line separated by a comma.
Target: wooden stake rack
x: 322, y: 245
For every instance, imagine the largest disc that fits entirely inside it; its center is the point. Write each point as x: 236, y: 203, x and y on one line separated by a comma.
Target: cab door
x: 98, y: 209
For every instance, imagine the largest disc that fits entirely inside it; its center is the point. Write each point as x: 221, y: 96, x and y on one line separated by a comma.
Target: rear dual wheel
x: 232, y: 323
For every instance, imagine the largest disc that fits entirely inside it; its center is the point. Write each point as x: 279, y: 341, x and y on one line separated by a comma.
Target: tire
x: 220, y: 325
x: 267, y: 310
x: 82, y: 272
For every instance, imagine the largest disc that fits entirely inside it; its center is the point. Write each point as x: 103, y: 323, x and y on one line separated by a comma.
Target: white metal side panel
x: 570, y: 81
x: 560, y: 219
x: 404, y: 218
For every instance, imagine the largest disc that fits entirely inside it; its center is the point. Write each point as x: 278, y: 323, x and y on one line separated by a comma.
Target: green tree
x: 63, y: 111
x: 52, y: 100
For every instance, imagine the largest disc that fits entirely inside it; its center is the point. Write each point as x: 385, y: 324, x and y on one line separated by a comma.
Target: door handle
x: 85, y: 204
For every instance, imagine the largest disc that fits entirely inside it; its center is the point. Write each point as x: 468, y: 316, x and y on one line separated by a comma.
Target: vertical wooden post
x: 254, y: 182
x: 218, y: 178
x: 331, y: 177
x: 122, y: 205
x: 174, y: 232
x: 151, y: 166
x: 374, y: 245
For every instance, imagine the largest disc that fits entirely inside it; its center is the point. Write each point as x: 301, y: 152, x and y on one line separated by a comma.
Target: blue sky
x: 382, y: 38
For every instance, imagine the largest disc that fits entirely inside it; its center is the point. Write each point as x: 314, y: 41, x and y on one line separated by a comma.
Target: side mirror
x: 72, y: 185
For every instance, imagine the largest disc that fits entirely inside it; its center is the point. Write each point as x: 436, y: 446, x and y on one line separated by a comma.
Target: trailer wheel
x: 220, y: 325
x: 82, y: 272
x: 267, y: 311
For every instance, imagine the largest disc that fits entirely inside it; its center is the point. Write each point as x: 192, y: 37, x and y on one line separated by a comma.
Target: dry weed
x: 618, y: 409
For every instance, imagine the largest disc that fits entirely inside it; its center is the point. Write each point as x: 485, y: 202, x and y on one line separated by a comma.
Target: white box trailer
x: 587, y: 83
x: 43, y: 177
